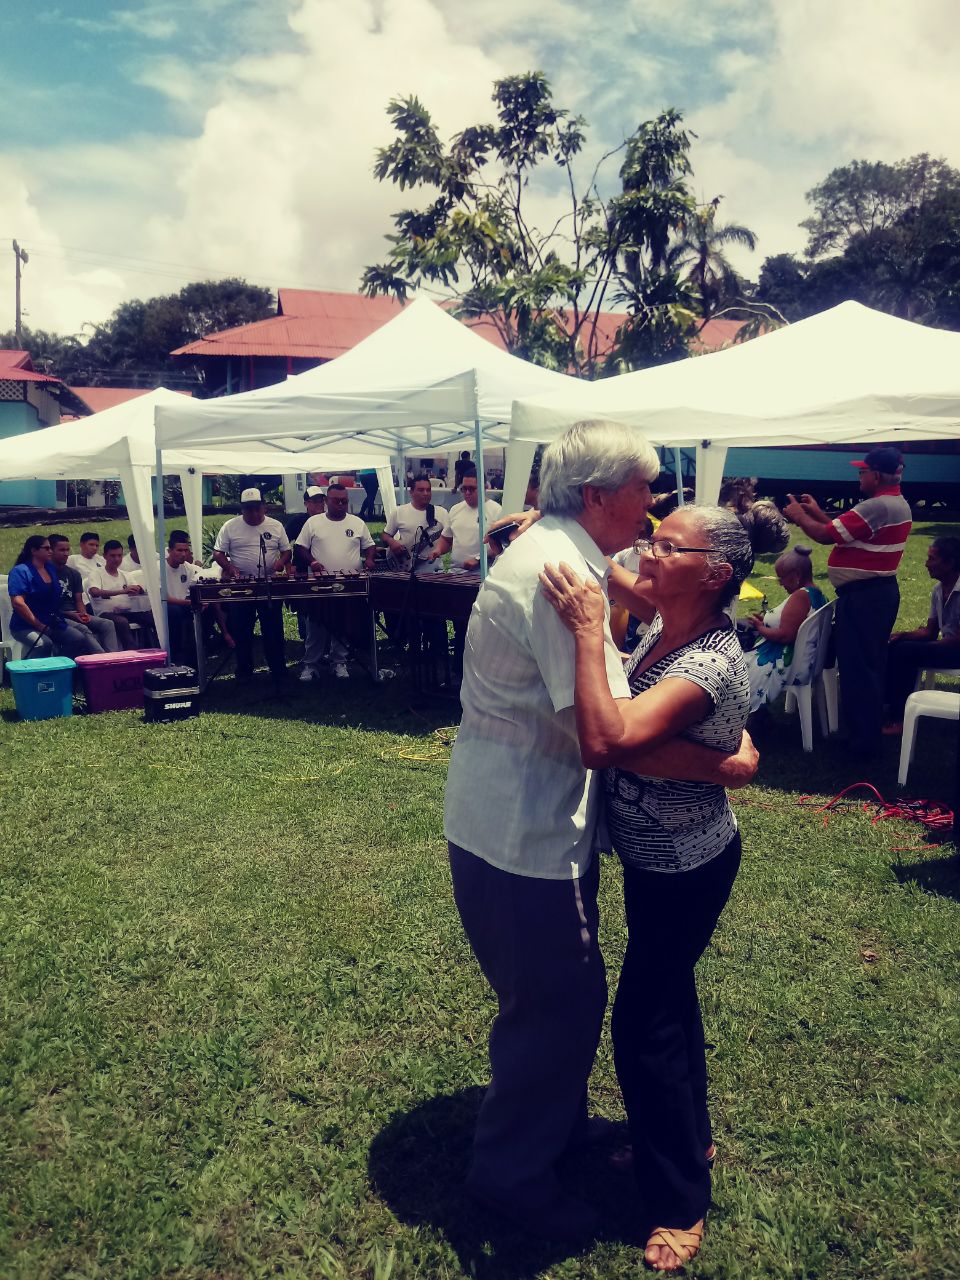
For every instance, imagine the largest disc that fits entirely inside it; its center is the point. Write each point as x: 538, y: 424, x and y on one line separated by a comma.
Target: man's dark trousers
x: 864, y: 617
x: 536, y: 941
x: 907, y: 658
x: 242, y: 619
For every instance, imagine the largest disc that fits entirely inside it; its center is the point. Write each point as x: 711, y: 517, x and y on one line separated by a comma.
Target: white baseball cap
x: 314, y: 492
x: 250, y: 495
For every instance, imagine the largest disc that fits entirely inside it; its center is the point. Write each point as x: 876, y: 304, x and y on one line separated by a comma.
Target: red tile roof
x: 316, y: 325
x: 16, y: 366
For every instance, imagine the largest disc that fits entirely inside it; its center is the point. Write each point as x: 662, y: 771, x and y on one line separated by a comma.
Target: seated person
x: 89, y: 557
x: 769, y: 662
x: 110, y: 592
x: 181, y: 574
x: 72, y: 604
x: 935, y: 645
x: 35, y: 594
x: 131, y: 561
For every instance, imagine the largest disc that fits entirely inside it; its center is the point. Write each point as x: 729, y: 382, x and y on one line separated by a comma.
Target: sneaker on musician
x: 340, y: 671
x: 309, y: 673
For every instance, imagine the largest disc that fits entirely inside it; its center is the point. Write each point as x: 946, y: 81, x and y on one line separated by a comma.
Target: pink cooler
x: 114, y: 681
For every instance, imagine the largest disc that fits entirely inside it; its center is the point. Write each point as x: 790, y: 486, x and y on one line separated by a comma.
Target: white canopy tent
x: 119, y: 443
x: 421, y: 381
x: 848, y: 375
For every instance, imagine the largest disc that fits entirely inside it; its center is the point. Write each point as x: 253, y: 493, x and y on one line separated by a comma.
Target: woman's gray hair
x: 607, y: 455
x: 734, y: 538
x: 797, y: 560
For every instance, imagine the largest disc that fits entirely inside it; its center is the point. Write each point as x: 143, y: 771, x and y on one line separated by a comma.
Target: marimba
x: 427, y: 595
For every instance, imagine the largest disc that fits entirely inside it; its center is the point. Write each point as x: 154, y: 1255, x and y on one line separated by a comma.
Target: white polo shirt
x: 407, y: 521
x: 241, y: 542
x: 517, y: 793
x: 179, y: 580
x: 465, y: 529
x: 336, y: 544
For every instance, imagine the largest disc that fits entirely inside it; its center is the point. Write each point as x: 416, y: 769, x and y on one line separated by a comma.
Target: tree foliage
x: 887, y: 235
x: 133, y: 347
x: 477, y: 237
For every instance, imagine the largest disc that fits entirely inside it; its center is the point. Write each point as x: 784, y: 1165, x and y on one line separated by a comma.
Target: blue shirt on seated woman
x: 36, y: 621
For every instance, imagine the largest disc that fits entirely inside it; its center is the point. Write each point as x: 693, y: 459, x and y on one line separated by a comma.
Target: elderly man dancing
x: 520, y: 818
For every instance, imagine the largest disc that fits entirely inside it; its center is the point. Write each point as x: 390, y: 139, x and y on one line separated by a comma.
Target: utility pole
x: 20, y: 256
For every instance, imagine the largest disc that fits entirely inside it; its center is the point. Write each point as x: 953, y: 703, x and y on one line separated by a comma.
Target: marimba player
x: 254, y: 545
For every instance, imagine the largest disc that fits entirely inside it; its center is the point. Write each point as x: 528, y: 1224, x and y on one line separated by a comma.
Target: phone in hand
x: 502, y: 535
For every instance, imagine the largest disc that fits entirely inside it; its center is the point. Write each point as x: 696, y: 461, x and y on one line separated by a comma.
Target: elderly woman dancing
x: 677, y: 840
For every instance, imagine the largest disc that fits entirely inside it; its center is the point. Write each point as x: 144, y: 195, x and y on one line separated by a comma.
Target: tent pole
x: 678, y: 472
x: 481, y: 491
x: 162, y: 540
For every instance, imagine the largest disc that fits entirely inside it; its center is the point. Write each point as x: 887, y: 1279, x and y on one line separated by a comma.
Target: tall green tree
x: 887, y: 235
x: 477, y: 239
x: 133, y: 346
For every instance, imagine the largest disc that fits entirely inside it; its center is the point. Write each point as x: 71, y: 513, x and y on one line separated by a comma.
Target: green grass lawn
x: 243, y: 1034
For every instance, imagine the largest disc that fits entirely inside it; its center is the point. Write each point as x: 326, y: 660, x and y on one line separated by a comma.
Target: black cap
x: 885, y: 458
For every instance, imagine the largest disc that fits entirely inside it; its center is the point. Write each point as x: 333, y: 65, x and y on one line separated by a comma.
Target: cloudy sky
x: 173, y: 140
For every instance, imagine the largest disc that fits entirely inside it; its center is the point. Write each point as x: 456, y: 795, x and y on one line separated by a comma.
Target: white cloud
x: 273, y: 179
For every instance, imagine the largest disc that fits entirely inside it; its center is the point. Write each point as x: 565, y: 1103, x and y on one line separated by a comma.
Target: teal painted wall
x: 16, y: 417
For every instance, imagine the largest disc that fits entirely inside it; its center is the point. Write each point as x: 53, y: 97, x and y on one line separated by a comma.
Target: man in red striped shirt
x: 868, y: 543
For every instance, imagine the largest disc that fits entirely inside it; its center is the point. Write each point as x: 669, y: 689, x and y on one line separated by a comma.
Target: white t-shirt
x: 465, y: 529
x: 137, y: 604
x: 407, y: 520
x: 84, y: 566
x: 241, y: 543
x: 180, y: 579
x: 108, y: 582
x: 336, y: 544
x: 517, y: 793
x: 129, y: 565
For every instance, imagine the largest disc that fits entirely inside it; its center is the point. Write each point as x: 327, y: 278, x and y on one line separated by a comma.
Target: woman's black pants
x: 658, y: 1033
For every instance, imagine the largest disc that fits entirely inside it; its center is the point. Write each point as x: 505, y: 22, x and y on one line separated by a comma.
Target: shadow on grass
x: 417, y: 1164
x: 394, y: 706
x: 940, y: 876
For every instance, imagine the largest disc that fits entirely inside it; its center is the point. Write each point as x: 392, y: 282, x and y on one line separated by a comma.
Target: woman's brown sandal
x: 684, y: 1244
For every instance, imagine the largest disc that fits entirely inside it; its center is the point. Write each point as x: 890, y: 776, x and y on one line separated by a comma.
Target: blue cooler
x: 42, y: 687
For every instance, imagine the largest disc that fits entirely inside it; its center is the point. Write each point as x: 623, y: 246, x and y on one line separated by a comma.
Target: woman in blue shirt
x: 34, y: 590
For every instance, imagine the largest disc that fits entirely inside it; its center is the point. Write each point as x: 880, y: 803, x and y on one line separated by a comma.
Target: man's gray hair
x: 607, y: 455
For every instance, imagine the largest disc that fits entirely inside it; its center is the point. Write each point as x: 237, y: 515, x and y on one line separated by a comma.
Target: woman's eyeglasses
x: 661, y: 548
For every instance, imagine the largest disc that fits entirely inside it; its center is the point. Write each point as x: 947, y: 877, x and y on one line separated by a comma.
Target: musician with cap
x: 868, y: 542
x: 314, y: 503
x: 254, y: 545
x: 416, y: 528
x: 330, y: 544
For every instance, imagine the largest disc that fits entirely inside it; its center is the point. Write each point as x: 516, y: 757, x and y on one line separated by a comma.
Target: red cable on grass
x: 930, y: 813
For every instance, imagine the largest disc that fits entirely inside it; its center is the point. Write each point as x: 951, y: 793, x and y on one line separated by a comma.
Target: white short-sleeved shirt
x: 84, y: 566
x: 405, y: 523
x: 129, y: 565
x: 518, y: 795
x: 336, y: 544
x: 180, y: 579
x: 465, y: 529
x: 104, y: 581
x: 241, y: 542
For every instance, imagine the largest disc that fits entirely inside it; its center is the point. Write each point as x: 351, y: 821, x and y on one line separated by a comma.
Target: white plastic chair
x: 927, y: 679
x: 9, y: 644
x: 805, y: 674
x: 940, y: 704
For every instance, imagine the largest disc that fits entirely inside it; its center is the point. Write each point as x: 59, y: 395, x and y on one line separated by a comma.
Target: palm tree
x: 697, y: 255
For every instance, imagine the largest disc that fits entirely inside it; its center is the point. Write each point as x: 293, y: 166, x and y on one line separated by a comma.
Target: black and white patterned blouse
x: 660, y: 824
